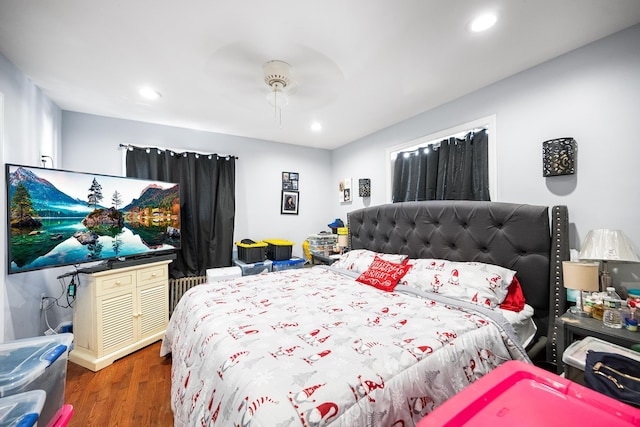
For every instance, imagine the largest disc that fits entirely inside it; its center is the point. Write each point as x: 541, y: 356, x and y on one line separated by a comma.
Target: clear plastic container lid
x: 576, y: 354
x: 22, y: 409
x: 21, y: 361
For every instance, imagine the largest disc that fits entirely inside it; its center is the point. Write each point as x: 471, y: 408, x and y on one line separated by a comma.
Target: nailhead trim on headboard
x: 558, y: 302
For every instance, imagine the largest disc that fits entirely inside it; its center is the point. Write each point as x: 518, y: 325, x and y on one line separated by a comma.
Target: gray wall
x: 31, y: 129
x: 591, y: 94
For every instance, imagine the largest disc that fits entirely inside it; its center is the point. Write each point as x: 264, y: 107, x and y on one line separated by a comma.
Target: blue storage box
x: 38, y: 363
x: 249, y: 269
x: 22, y: 409
x: 288, y: 264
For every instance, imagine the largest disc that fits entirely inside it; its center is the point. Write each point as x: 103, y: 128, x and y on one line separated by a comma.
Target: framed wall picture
x: 290, y: 181
x: 289, y: 202
x: 344, y: 190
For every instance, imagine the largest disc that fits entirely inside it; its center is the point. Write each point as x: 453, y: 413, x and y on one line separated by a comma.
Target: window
x: 460, y: 131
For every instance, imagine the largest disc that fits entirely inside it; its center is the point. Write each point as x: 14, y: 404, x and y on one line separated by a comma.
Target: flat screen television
x: 59, y: 217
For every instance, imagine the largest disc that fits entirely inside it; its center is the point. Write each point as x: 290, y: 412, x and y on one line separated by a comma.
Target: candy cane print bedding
x: 314, y: 347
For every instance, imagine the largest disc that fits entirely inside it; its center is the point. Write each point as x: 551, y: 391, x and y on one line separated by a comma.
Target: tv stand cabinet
x: 119, y: 311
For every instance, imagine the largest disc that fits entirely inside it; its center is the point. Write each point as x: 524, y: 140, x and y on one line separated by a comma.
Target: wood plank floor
x: 133, y: 391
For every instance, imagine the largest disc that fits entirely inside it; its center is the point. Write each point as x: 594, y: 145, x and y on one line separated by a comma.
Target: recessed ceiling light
x: 483, y: 22
x: 149, y: 93
x: 316, y: 127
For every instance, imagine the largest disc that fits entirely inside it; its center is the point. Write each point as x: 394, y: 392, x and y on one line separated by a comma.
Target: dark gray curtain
x: 454, y: 169
x: 207, y: 204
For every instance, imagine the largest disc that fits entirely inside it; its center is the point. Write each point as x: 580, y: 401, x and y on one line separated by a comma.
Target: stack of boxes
x: 279, y: 251
x: 252, y: 258
x: 322, y: 244
x: 35, y: 364
x: 266, y: 256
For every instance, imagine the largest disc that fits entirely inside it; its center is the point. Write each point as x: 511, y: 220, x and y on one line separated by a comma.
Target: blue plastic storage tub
x: 38, y: 363
x: 249, y: 269
x: 22, y: 409
x: 288, y: 264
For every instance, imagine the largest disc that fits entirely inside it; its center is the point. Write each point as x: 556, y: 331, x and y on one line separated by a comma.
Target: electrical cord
x: 68, y: 291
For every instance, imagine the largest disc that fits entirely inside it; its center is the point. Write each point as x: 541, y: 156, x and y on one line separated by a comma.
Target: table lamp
x: 607, y: 245
x: 343, y: 238
x: 583, y: 277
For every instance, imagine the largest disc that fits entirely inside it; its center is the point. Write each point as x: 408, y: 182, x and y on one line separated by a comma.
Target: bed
x: 348, y: 344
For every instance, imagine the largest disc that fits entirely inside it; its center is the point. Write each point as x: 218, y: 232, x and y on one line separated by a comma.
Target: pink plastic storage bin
x: 62, y: 417
x: 519, y: 394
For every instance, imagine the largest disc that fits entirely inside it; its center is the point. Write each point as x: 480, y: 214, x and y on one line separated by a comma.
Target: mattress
x: 522, y: 323
x: 312, y: 347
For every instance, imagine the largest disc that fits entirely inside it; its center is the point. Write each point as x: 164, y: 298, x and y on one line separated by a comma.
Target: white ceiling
x: 360, y: 65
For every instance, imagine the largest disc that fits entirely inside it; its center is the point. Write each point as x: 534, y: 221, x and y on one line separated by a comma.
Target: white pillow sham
x: 483, y: 284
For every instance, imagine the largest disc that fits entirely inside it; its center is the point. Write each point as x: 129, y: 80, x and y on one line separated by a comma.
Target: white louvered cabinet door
x: 116, y: 322
x: 153, y: 309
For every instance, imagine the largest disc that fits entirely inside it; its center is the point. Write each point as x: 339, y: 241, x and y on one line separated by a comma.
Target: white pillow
x: 359, y: 260
x: 483, y: 284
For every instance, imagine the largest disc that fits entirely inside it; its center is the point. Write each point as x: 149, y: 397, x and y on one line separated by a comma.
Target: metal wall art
x: 559, y: 157
x: 364, y: 187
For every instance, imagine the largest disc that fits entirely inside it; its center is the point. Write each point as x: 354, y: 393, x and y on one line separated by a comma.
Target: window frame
x: 488, y: 122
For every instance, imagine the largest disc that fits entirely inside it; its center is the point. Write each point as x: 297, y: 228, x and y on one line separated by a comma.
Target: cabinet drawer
x: 113, y: 283
x: 151, y: 274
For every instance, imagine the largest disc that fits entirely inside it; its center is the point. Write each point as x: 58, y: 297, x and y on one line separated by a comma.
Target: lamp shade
x: 608, y: 245
x: 582, y: 276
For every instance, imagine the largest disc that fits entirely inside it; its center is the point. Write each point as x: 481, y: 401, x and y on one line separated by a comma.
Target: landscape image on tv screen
x: 57, y: 217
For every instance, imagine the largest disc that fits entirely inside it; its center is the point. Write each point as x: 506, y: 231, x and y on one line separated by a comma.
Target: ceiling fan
x: 244, y: 73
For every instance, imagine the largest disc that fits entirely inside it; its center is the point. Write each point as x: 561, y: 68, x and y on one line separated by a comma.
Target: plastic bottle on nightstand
x: 612, y: 309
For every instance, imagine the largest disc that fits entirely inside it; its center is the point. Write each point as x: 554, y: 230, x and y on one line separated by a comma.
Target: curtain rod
x: 129, y: 146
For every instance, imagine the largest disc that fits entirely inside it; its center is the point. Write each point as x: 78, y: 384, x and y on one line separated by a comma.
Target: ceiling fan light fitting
x: 277, y: 98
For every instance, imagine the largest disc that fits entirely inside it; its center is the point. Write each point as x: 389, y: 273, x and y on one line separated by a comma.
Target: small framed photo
x: 290, y: 181
x: 289, y: 202
x: 344, y: 190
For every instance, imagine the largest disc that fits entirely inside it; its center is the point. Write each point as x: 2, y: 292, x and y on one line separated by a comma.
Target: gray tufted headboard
x: 515, y: 236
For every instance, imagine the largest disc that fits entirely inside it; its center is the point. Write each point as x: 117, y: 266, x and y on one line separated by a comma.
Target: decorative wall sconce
x: 559, y: 157
x: 364, y: 187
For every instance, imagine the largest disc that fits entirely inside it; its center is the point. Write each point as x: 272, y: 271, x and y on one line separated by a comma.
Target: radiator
x: 177, y: 288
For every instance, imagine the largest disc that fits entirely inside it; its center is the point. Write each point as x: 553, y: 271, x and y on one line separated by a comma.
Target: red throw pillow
x: 514, y: 301
x: 383, y: 274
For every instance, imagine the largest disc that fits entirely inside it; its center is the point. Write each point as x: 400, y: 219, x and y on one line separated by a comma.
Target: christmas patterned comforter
x: 313, y: 347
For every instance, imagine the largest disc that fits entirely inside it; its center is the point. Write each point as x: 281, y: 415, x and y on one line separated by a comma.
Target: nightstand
x: 572, y: 327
